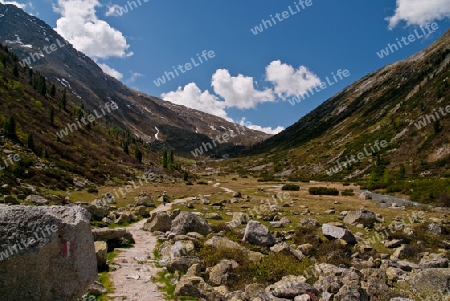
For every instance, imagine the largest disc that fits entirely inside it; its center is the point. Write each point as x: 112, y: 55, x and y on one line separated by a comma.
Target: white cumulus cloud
x: 110, y: 71
x: 419, y: 12
x: 114, y: 11
x: 19, y: 5
x: 288, y: 81
x: 267, y: 130
x: 81, y: 27
x: 192, y: 97
x: 239, y: 91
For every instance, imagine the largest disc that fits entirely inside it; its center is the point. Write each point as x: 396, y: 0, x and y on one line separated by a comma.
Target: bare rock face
x: 46, y: 253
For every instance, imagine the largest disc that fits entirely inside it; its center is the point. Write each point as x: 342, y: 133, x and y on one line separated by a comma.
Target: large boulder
x: 159, y: 221
x: 46, y: 253
x: 365, y: 217
x: 258, y: 234
x: 188, y: 222
x: 333, y: 232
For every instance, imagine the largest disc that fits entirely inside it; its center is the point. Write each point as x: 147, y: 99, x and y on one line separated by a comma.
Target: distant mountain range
x: 157, y: 122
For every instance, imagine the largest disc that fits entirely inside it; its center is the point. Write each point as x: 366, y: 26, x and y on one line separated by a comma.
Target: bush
x: 270, y: 269
x: 348, y: 192
x: 92, y: 190
x: 292, y: 187
x: 323, y: 191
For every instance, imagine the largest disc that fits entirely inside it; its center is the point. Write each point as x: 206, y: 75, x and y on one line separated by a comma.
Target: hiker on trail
x: 164, y: 198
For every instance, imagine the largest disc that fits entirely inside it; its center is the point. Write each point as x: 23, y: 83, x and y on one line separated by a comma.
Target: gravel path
x: 132, y: 280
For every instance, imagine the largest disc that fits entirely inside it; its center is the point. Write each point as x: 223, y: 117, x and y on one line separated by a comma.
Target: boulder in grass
x: 258, y: 234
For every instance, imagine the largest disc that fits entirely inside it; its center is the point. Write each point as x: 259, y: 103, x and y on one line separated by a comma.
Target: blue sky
x: 249, y: 76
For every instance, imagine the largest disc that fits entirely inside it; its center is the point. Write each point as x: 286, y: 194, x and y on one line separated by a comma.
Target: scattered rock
x: 37, y: 199
x: 219, y: 273
x: 213, y: 215
x: 291, y: 287
x: 309, y: 222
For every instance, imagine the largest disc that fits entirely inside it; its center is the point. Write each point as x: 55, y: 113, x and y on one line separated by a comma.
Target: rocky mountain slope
x: 149, y: 118
x: 403, y: 107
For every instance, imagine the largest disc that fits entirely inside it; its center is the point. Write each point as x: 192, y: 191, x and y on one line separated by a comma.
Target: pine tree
x: 53, y: 90
x: 138, y: 154
x: 45, y: 153
x: 125, y: 147
x: 4, y: 61
x: 15, y: 70
x: 387, y: 178
x: 41, y: 85
x: 30, y: 141
x: 63, y: 100
x: 164, y: 160
x: 402, y: 171
x: 52, y: 116
x: 437, y: 126
x: 10, y: 127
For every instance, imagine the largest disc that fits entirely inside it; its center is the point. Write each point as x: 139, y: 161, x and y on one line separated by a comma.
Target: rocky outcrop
x: 47, y: 253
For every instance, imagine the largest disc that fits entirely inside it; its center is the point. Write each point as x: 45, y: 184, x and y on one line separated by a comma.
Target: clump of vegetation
x: 348, y: 192
x: 92, y: 190
x: 323, y: 191
x: 291, y: 187
x: 270, y: 269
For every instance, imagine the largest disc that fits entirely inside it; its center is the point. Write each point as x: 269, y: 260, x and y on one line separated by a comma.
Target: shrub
x: 348, y: 192
x: 92, y: 190
x: 323, y: 191
x: 270, y: 269
x: 291, y: 187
